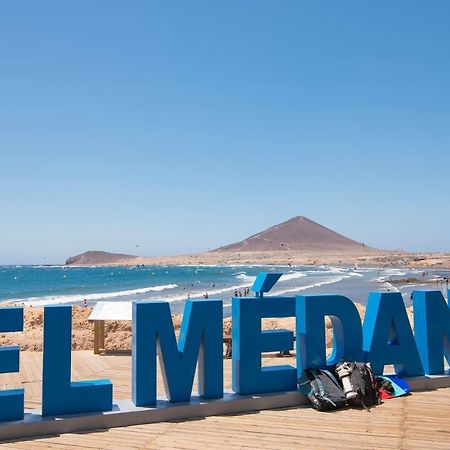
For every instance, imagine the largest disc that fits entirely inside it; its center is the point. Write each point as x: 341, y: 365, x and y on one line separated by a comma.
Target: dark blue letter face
x: 248, y: 342
x: 60, y: 395
x: 11, y: 400
x: 311, y: 338
x: 387, y: 335
x: 432, y: 329
x: 200, y: 339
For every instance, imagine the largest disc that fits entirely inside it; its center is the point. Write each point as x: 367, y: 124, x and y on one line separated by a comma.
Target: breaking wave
x: 285, y: 277
x: 308, y: 286
x: 77, y: 298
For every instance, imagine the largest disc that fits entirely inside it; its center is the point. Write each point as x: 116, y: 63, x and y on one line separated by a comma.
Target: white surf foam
x: 389, y: 286
x: 309, y: 286
x: 246, y: 278
x: 327, y: 270
x: 77, y: 298
x: 200, y: 294
x: 393, y: 271
x: 291, y: 276
x: 285, y: 277
x: 407, y: 286
x: 355, y: 274
x: 249, y: 280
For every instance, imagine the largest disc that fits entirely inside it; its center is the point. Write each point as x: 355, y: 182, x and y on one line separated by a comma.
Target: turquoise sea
x: 44, y: 285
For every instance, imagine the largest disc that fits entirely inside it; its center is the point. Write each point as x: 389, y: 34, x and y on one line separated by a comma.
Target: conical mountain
x: 296, y: 234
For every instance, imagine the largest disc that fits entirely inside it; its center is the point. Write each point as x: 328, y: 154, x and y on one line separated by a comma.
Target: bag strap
x: 321, y: 386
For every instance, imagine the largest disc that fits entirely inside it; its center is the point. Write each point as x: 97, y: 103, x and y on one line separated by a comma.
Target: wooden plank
x: 101, y: 337
x: 96, y: 337
x: 416, y: 421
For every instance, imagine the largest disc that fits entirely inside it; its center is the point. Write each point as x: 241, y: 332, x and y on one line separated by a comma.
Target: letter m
x: 200, y: 341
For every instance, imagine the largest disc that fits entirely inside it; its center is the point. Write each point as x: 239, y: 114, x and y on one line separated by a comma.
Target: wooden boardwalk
x: 417, y: 421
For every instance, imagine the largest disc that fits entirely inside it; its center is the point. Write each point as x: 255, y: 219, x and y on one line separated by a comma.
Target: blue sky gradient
x: 183, y: 126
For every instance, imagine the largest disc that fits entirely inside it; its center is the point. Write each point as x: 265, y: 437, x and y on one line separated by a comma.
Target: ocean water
x: 46, y: 285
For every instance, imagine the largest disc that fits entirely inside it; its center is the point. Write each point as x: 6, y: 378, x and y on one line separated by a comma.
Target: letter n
x: 387, y: 335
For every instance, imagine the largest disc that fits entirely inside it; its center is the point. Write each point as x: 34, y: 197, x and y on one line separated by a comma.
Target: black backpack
x: 322, y: 389
x: 364, y: 384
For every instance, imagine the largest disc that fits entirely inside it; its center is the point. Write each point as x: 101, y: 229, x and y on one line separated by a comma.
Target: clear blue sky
x: 182, y: 126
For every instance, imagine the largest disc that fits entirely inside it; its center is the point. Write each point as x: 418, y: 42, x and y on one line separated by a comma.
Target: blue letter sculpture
x: 248, y: 342
x: 60, y: 395
x: 11, y: 400
x: 387, y: 335
x: 432, y: 330
x: 311, y: 343
x: 200, y: 339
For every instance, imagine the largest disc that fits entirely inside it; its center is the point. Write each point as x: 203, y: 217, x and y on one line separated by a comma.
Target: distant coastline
x: 369, y: 259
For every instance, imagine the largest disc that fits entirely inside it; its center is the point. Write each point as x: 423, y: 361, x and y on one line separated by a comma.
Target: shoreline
x: 175, y: 284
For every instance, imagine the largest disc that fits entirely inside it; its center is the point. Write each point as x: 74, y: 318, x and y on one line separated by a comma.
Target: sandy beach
x: 118, y: 333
